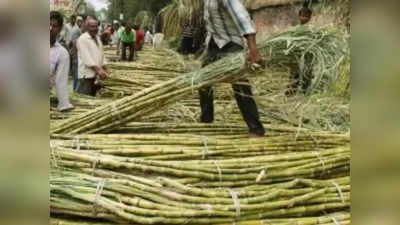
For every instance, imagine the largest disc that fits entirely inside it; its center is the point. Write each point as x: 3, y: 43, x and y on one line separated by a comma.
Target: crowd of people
x: 76, y: 48
x: 229, y: 29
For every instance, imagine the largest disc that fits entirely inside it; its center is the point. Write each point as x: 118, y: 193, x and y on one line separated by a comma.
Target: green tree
x: 132, y: 7
x: 90, y: 10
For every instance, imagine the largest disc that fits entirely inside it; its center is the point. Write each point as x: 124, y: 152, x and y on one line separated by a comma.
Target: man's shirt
x: 68, y: 32
x: 59, y: 69
x: 128, y: 37
x: 90, y: 53
x: 139, y: 37
x: 227, y: 21
x: 115, y: 38
x: 148, y: 38
x: 75, y: 34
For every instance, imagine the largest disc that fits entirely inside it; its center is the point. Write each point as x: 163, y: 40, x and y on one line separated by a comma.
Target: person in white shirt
x: 120, y: 30
x: 148, y: 37
x: 115, y: 34
x: 90, y: 59
x: 59, y: 63
x: 68, y: 29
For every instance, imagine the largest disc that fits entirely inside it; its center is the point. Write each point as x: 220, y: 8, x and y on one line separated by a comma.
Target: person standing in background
x: 79, y: 22
x: 187, y: 43
x: 128, y: 40
x: 68, y: 29
x: 120, y: 30
x: 59, y: 63
x: 75, y: 34
x: 139, y: 38
x: 115, y: 35
x: 148, y: 38
x: 301, y: 80
x: 158, y: 36
x: 105, y: 37
x: 90, y: 59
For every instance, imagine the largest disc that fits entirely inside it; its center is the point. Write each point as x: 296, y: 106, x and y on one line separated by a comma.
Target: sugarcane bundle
x: 179, y: 11
x: 287, y: 156
x: 193, y: 128
x: 242, y: 170
x: 162, y: 59
x: 285, y: 48
x: 82, y: 104
x: 342, y: 218
x: 121, y: 83
x: 166, y: 201
x: 318, y: 112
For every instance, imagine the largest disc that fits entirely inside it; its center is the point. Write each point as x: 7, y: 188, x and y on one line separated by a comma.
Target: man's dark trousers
x: 243, y: 94
x: 87, y: 86
x: 131, y: 47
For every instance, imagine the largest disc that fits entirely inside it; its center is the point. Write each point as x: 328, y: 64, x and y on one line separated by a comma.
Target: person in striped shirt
x: 229, y: 29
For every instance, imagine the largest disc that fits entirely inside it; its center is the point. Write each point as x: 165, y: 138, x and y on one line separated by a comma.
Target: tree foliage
x: 90, y: 10
x: 132, y: 7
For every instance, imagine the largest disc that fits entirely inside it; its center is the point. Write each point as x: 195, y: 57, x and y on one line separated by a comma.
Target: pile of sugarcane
x: 145, y: 159
x: 280, y: 138
x: 342, y: 218
x: 315, y: 111
x: 169, y: 179
x: 326, y: 47
x: 82, y: 103
x: 122, y: 83
x: 158, y: 59
x: 167, y: 201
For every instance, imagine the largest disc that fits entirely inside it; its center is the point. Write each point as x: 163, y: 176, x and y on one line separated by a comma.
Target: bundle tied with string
x: 327, y: 47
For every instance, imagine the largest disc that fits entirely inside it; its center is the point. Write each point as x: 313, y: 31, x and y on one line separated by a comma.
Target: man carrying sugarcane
x: 228, y: 23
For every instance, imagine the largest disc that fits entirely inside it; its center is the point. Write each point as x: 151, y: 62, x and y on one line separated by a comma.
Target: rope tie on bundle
x: 99, y: 190
x: 236, y: 202
x: 260, y: 176
x: 318, y: 155
x: 115, y: 111
x: 219, y: 170
x: 53, y: 145
x: 339, y: 191
x: 78, y: 143
x: 95, y: 161
x: 205, y: 149
x: 335, y: 221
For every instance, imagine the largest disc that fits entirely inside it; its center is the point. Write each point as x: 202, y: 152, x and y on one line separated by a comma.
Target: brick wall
x: 276, y: 18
